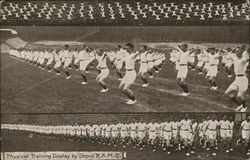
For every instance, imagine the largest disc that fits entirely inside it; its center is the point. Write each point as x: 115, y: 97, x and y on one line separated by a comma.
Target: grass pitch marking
x: 33, y: 86
x: 173, y: 92
x: 176, y: 93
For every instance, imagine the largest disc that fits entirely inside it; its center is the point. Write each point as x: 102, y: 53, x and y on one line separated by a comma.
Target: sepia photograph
x: 125, y: 79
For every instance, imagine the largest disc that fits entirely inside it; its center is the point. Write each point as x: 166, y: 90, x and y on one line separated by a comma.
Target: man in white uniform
x: 153, y: 128
x: 186, y: 131
x: 124, y: 134
x: 150, y: 62
x: 114, y: 133
x: 130, y: 74
x: 166, y: 128
x: 212, y: 131
x: 133, y: 133
x: 142, y: 127
x: 213, y: 68
x: 183, y: 68
x: 84, y: 60
x: 83, y: 132
x: 50, y: 58
x: 240, y: 84
x: 200, y: 64
x: 104, y: 71
x: 229, y: 62
x: 58, y: 62
x: 224, y: 128
x: 67, y: 59
x: 245, y: 133
x: 108, y: 133
x: 143, y: 66
x: 76, y: 59
x: 98, y: 133
x: 175, y: 127
x: 119, y: 60
x: 191, y: 60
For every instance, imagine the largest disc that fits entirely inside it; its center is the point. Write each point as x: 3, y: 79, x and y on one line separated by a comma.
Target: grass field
x: 27, y: 89
x: 20, y: 141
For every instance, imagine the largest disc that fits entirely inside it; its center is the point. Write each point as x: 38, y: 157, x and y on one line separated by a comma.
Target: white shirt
x: 124, y: 127
x: 245, y: 125
x: 183, y: 57
x: 102, y: 61
x: 175, y: 125
x: 143, y: 57
x: 212, y: 125
x: 130, y: 61
x: 166, y: 126
x: 133, y: 127
x: 120, y: 54
x: 142, y: 126
x: 185, y: 124
x: 240, y: 65
x: 83, y: 55
x: 214, y: 59
x: 224, y: 124
x: 153, y: 126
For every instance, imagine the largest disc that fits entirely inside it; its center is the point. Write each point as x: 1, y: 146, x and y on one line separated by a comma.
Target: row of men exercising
x: 171, y: 135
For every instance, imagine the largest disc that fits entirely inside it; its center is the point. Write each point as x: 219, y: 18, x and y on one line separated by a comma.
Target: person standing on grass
x: 143, y: 66
x: 240, y: 84
x: 224, y: 128
x: 104, y: 71
x: 67, y: 59
x: 84, y: 61
x: 166, y: 128
x: 213, y: 68
x: 245, y: 134
x: 119, y: 60
x: 130, y: 74
x: 58, y: 61
x: 183, y: 68
x: 212, y: 132
x: 185, y: 132
x: 50, y: 57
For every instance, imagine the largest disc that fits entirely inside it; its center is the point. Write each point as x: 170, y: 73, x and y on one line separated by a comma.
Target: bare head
x: 83, y: 46
x: 118, y: 47
x: 239, y: 52
x: 214, y: 117
x: 212, y: 50
x: 224, y: 117
x: 99, y: 52
x: 184, y: 47
x: 229, y: 49
x: 231, y: 118
x: 66, y: 46
x: 143, y: 48
x: 186, y: 116
x: 129, y: 47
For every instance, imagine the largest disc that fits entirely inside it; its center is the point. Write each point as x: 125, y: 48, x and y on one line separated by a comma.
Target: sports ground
x: 27, y: 89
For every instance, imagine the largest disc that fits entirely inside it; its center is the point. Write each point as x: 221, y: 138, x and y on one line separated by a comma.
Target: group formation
x: 171, y: 136
x: 150, y: 60
x: 126, y: 11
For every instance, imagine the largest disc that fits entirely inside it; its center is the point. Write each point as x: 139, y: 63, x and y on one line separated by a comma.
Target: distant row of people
x: 169, y: 135
x: 203, y: 60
